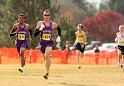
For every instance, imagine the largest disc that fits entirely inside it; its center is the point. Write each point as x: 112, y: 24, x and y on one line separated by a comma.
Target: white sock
x: 78, y: 65
x: 21, y: 68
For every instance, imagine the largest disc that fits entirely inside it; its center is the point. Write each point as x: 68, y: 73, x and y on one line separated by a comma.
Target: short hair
x: 121, y: 26
x: 46, y: 11
x: 80, y: 25
x: 21, y: 15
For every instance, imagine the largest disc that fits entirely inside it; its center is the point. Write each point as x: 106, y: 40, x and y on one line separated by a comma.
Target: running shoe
x: 20, y: 70
x: 79, y: 67
x: 45, y: 76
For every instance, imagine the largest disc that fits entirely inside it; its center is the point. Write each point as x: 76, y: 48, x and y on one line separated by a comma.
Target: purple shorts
x: 20, y: 45
x: 45, y: 44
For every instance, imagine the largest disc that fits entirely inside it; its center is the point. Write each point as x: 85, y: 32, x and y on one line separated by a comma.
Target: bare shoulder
x: 28, y: 26
x: 76, y: 32
x: 15, y: 26
x: 39, y: 22
x: 83, y: 32
x: 54, y: 24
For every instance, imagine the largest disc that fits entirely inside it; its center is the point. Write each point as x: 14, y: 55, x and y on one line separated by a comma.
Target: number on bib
x: 21, y: 36
x: 46, y: 36
x: 121, y: 42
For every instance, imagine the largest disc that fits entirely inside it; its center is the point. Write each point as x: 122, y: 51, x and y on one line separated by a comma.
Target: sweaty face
x: 46, y: 15
x: 121, y: 28
x: 79, y: 28
x: 21, y: 19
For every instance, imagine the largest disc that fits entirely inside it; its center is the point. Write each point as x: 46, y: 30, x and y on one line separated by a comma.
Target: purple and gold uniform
x: 21, y: 37
x: 46, y: 37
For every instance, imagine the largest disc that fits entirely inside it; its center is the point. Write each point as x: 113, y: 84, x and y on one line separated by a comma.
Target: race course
x: 61, y: 75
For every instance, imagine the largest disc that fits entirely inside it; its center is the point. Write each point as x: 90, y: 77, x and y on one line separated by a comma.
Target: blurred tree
x: 104, y: 25
x: 103, y: 6
x: 67, y: 5
x: 89, y: 8
x: 68, y: 27
x: 2, y: 2
x: 33, y: 10
x: 116, y: 5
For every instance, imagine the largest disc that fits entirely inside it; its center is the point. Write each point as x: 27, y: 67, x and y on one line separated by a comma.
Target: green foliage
x: 104, y: 5
x: 117, y: 5
x: 89, y: 8
x: 68, y: 30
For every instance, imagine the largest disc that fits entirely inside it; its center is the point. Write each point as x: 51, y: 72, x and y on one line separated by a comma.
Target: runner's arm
x: 30, y: 31
x: 37, y: 31
x: 56, y: 26
x: 13, y: 31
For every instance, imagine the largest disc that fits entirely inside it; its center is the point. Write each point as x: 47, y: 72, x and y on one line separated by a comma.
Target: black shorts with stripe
x: 121, y: 48
x: 78, y: 47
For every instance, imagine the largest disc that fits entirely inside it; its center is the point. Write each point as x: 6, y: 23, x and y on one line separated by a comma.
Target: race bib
x: 46, y: 36
x: 121, y: 42
x: 21, y: 36
x: 80, y: 38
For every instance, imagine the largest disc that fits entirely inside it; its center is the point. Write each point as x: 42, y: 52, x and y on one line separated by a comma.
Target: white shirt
x: 120, y: 38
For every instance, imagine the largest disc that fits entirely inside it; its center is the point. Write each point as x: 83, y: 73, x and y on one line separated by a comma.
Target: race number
x: 121, y: 42
x: 46, y: 36
x: 80, y: 38
x: 21, y: 36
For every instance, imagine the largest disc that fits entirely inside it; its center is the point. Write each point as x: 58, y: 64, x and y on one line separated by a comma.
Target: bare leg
x: 47, y: 61
x: 82, y: 54
x: 123, y: 62
x: 77, y: 58
x: 22, y: 50
x: 22, y: 57
x: 119, y: 58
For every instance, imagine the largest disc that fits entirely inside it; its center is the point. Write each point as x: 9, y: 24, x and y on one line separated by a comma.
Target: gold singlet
x: 120, y: 39
x: 80, y: 38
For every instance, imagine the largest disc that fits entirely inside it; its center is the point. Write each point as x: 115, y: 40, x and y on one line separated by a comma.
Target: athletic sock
x: 21, y: 68
x: 47, y: 72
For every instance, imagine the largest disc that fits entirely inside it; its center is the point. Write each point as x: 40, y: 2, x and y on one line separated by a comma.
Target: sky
x: 97, y: 1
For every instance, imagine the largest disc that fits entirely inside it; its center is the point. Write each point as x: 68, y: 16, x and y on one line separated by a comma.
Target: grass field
x: 61, y: 75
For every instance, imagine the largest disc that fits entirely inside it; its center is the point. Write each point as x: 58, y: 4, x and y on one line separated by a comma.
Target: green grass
x: 61, y: 75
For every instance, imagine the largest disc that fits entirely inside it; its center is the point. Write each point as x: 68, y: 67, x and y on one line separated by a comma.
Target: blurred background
x: 101, y: 18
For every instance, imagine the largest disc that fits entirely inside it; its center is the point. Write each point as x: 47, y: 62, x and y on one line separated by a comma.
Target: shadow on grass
x: 77, y: 84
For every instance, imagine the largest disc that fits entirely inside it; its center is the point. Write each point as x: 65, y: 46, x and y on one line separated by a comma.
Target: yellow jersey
x: 80, y: 37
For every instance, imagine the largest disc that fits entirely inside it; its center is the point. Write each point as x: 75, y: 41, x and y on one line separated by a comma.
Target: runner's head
x: 80, y: 27
x: 21, y: 18
x: 46, y: 15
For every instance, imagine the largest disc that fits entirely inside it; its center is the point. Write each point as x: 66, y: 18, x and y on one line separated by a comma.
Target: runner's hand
x: 41, y: 27
x: 30, y: 39
x: 58, y: 40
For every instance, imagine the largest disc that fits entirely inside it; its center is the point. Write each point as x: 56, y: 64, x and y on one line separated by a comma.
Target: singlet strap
x: 19, y: 25
x: 43, y: 23
x: 24, y: 25
x: 50, y: 23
